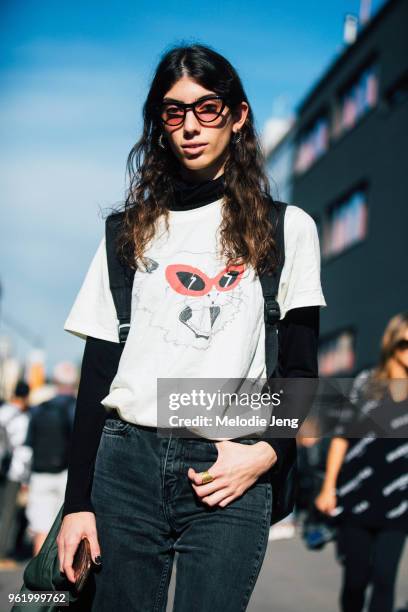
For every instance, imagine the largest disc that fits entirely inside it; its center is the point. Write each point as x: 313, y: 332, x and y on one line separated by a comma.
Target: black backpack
x: 121, y: 281
x: 49, y: 434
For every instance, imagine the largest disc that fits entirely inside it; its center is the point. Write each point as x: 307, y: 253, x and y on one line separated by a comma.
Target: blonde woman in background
x: 367, y: 477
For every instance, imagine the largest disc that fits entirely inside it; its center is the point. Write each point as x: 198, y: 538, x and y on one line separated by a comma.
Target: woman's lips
x: 194, y: 149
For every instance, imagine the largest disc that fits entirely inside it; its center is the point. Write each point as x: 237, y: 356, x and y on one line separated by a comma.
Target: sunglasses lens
x: 172, y: 114
x: 209, y: 110
x: 402, y: 345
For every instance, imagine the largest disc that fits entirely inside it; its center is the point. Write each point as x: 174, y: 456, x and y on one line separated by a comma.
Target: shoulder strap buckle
x: 123, y: 331
x: 271, y: 310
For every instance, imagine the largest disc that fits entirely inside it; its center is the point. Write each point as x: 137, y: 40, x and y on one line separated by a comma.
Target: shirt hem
x: 84, y: 332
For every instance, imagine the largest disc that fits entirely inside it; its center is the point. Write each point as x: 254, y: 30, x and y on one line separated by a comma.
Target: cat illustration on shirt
x: 199, y: 301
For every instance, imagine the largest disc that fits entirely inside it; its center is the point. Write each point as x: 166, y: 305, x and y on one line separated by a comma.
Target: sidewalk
x: 294, y: 579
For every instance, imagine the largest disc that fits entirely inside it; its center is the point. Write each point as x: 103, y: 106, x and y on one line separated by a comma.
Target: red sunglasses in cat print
x: 188, y: 280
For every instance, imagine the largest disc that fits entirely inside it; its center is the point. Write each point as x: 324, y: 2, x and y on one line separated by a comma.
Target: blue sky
x: 73, y: 78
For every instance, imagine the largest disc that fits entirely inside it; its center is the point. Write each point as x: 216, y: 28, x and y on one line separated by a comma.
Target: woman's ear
x: 239, y: 115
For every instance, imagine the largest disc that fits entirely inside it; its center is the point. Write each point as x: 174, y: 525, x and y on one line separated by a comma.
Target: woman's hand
x: 237, y: 467
x: 326, y: 501
x: 74, y: 528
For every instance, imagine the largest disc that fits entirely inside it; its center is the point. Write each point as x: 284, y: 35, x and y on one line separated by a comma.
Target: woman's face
x: 207, y: 161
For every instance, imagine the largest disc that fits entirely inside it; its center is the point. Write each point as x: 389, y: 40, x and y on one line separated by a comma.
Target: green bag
x: 42, y: 573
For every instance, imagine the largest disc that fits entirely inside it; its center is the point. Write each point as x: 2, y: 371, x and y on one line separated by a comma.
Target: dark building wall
x: 368, y: 283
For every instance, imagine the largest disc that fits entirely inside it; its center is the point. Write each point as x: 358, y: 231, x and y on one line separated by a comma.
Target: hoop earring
x: 237, y: 137
x: 161, y: 144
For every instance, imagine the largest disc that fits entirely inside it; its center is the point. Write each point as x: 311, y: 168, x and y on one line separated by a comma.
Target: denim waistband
x: 114, y: 414
x: 181, y: 432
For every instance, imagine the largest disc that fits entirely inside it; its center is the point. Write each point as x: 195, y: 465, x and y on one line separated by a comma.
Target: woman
x: 198, y: 166
x: 366, y: 477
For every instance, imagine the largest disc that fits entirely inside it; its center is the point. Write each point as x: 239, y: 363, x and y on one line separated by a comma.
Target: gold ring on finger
x: 206, y: 477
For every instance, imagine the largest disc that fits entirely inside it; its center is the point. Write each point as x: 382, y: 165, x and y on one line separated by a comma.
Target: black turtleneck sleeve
x: 298, y: 334
x: 99, y: 365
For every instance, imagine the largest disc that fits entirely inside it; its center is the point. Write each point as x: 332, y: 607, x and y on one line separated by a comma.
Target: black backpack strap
x: 270, y: 286
x: 120, y: 276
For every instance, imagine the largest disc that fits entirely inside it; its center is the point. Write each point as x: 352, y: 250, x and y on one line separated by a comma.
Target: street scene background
x: 328, y: 84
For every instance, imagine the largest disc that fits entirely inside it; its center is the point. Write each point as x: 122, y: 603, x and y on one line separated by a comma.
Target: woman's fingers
x: 227, y: 501
x: 325, y: 503
x: 204, y: 489
x: 224, y: 497
x: 232, y: 475
x: 219, y: 491
x: 215, y: 497
x: 197, y: 477
x: 319, y: 503
x: 220, y: 488
x: 95, y: 548
x: 75, y: 527
x: 332, y: 505
x: 69, y: 552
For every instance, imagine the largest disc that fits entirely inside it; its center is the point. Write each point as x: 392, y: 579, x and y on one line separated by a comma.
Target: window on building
x: 312, y: 144
x: 280, y: 168
x: 398, y: 92
x: 337, y: 354
x: 345, y: 223
x: 354, y: 102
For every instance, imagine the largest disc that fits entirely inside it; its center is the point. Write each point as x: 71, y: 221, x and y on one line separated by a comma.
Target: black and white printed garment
x: 372, y: 488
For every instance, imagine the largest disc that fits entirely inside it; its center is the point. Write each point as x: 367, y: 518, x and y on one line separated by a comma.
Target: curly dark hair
x: 246, y: 234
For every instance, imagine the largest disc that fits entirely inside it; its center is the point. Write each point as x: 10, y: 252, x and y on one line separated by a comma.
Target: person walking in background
x: 15, y: 459
x: 48, y: 436
x: 366, y: 477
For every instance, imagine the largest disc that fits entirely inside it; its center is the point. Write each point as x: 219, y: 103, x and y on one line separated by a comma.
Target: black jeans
x: 146, y: 510
x: 370, y: 556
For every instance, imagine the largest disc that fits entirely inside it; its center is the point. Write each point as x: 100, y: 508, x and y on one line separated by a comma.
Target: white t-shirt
x: 191, y: 318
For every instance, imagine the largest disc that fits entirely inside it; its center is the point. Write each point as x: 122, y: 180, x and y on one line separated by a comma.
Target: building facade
x: 279, y: 165
x: 350, y: 172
